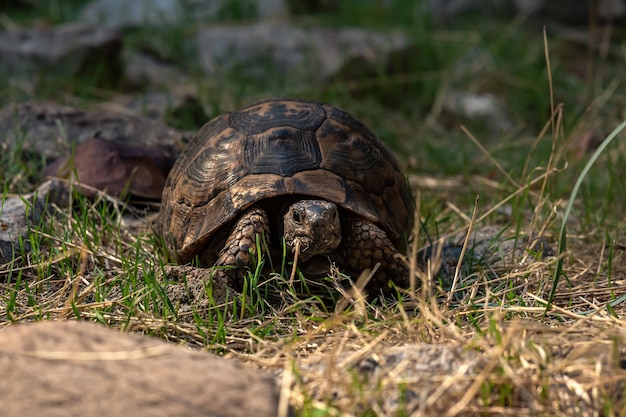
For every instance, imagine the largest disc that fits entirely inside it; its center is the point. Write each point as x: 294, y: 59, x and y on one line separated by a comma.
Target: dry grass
x: 492, y: 350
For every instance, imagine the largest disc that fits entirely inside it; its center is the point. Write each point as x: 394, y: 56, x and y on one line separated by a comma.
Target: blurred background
x: 424, y: 75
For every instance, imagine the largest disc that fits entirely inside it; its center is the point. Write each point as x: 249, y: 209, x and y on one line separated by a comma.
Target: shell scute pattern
x: 272, y: 114
x: 281, y: 150
x: 351, y: 155
x: 274, y: 148
x: 213, y: 170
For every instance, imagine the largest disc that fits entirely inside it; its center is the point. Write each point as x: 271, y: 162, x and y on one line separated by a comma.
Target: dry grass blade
x: 356, y: 294
x: 488, y: 155
x: 468, y: 237
x: 296, y: 255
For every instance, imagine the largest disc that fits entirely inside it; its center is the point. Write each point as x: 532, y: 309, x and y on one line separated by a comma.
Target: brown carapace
x: 301, y: 170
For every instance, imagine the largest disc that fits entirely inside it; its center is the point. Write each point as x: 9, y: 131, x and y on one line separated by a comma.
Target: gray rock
x: 399, y: 377
x: 481, y: 107
x: 69, y: 49
x: 271, y: 8
x: 49, y: 129
x: 488, y: 248
x: 498, y: 247
x: 18, y: 214
x: 78, y: 368
x: 126, y: 14
x: 267, y: 49
x: 422, y: 366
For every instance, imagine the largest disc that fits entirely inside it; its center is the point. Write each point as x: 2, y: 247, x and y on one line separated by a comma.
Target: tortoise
x: 305, y: 172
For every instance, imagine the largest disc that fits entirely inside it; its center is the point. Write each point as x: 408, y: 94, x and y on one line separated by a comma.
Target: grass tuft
x: 562, y: 248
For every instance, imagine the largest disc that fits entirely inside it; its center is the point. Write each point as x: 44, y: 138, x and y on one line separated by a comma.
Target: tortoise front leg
x: 365, y: 244
x: 241, y: 245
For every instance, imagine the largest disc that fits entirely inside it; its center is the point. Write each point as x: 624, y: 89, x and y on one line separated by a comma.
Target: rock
x: 49, y: 129
x: 265, y: 49
x: 489, y: 247
x: 69, y: 49
x: 78, y: 368
x: 19, y: 213
x: 421, y: 379
x: 398, y: 377
x: 126, y: 14
x: 476, y: 107
x: 118, y: 169
x: 497, y: 247
x: 422, y: 366
x: 271, y: 8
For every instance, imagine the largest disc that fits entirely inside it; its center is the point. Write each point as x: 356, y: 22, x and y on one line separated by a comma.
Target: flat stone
x: 79, y: 368
x: 67, y: 49
x: 124, y: 14
x: 20, y: 213
x: 319, y: 54
x: 398, y: 377
x: 422, y: 366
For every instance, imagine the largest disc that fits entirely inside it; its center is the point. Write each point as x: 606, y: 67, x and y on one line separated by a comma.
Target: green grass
x: 534, y: 325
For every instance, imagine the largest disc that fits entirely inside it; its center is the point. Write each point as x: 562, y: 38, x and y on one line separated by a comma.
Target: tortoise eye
x: 333, y: 216
x: 297, y: 216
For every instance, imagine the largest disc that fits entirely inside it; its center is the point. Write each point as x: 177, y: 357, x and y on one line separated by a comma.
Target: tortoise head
x: 315, y: 225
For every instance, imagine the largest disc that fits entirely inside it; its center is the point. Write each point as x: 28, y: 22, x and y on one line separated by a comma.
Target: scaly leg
x: 366, y: 244
x: 241, y: 245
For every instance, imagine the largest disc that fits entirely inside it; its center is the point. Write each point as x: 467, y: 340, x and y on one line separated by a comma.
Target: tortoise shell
x: 280, y: 148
